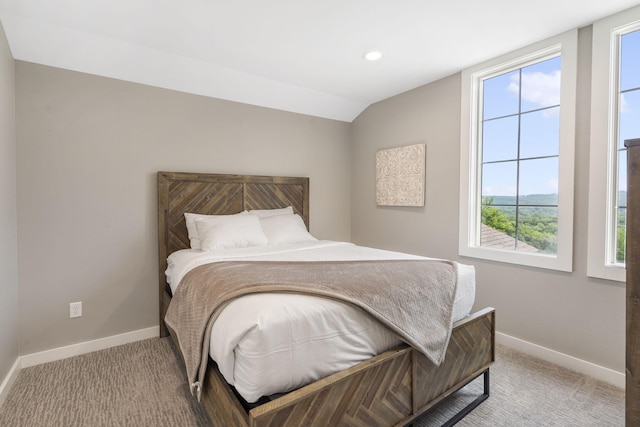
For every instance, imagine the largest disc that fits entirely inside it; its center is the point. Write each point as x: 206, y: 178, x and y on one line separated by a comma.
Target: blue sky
x: 539, y: 127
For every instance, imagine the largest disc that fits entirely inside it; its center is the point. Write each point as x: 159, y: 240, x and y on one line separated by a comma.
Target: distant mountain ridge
x: 539, y: 200
x: 529, y: 199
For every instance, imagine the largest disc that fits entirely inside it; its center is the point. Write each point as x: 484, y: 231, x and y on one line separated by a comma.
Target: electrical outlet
x: 75, y: 309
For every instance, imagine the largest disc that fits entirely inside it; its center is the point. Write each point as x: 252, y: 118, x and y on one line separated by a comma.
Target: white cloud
x: 624, y: 104
x: 538, y: 88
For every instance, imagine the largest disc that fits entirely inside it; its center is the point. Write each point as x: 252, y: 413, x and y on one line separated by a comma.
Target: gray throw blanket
x: 413, y: 298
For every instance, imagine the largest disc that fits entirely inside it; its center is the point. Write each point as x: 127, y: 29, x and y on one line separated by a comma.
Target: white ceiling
x: 303, y: 56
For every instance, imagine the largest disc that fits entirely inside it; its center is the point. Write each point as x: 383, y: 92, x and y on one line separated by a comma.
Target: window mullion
x: 517, y: 232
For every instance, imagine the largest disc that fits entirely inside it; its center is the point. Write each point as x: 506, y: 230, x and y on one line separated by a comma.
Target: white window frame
x: 603, y: 163
x: 566, y: 45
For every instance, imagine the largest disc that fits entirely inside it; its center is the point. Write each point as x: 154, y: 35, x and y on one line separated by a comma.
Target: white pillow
x: 285, y: 229
x: 265, y: 213
x: 190, y: 219
x: 230, y: 231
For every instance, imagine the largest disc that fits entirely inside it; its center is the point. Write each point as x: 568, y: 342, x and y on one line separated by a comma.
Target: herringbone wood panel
x: 273, y: 196
x: 199, y: 197
x: 210, y: 194
x: 379, y: 396
x: 470, y: 349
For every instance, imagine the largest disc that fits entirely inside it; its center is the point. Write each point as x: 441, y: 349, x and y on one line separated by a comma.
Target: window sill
x: 549, y: 262
x: 616, y: 273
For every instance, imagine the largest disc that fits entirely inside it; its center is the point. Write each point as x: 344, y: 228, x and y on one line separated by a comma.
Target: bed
x: 391, y: 388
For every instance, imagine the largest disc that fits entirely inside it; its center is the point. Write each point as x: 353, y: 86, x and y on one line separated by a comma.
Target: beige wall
x: 89, y: 147
x: 8, y: 222
x: 88, y: 151
x: 569, y: 313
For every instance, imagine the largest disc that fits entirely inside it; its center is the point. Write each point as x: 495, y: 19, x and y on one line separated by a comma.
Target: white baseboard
x: 72, y: 350
x: 601, y: 373
x: 9, y: 380
x: 88, y: 346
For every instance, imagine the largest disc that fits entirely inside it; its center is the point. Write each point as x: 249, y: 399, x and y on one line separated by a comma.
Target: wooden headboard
x: 216, y: 194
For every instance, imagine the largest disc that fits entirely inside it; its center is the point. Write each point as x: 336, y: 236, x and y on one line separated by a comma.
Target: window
x: 516, y: 188
x: 628, y: 101
x: 615, y: 116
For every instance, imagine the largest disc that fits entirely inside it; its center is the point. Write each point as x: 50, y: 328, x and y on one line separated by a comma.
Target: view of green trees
x: 621, y: 235
x: 538, y: 225
x: 537, y: 222
x: 621, y: 240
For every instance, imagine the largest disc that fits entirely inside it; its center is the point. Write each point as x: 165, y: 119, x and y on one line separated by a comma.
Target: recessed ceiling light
x: 372, y: 55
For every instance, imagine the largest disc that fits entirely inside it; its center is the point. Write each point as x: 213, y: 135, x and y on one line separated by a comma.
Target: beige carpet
x: 141, y: 384
x: 526, y: 391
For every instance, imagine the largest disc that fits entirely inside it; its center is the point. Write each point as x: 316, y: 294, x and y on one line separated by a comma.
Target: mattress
x: 272, y: 343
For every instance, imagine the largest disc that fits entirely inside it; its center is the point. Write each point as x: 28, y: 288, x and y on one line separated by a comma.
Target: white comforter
x: 272, y: 343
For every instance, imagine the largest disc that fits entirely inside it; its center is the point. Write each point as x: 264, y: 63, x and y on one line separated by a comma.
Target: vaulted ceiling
x: 302, y: 56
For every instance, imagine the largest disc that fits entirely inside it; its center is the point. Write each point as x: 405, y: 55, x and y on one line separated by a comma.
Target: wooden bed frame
x: 390, y: 389
x: 632, y: 363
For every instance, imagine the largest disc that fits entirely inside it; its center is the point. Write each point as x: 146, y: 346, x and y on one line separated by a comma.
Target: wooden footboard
x: 390, y: 389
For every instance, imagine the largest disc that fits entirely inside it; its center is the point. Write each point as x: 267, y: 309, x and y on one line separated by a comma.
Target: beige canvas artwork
x: 400, y: 175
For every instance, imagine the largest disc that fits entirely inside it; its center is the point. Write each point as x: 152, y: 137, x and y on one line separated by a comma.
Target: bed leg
x: 471, y: 406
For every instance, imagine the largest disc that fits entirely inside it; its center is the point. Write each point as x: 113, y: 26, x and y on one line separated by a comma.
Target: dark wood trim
x: 629, y: 143
x: 633, y: 284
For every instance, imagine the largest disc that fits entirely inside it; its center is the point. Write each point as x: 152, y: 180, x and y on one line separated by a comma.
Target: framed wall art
x: 400, y: 176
